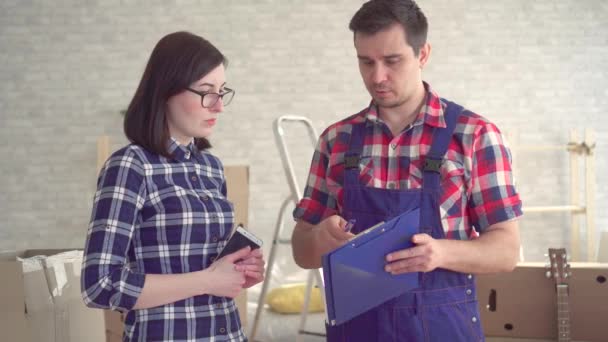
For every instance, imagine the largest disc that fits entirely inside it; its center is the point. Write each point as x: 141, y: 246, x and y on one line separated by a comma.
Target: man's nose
x: 379, y: 74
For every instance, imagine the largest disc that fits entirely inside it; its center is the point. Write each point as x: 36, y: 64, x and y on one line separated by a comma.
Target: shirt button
x: 193, y: 178
x: 391, y: 185
x: 222, y: 330
x: 215, y: 239
x: 212, y: 259
x: 205, y: 198
x: 474, y: 319
x: 188, y: 155
x: 469, y: 291
x: 393, y: 146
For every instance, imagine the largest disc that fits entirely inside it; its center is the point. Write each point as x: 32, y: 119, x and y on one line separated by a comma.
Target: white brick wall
x: 67, y: 69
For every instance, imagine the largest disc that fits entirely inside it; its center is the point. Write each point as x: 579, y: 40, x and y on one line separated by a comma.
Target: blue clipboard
x: 354, y: 276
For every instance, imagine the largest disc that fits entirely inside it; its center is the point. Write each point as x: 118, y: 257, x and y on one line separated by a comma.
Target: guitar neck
x: 563, y: 314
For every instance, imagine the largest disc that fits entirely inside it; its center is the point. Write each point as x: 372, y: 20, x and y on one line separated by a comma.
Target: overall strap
x: 353, y: 155
x: 440, y: 142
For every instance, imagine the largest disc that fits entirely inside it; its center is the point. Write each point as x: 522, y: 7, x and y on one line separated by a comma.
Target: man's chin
x: 384, y: 103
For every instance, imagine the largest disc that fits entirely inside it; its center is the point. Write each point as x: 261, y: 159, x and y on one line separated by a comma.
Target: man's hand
x: 426, y: 256
x: 309, y: 242
x: 330, y: 234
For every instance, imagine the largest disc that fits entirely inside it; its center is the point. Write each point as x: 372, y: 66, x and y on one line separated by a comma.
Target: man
x: 410, y: 148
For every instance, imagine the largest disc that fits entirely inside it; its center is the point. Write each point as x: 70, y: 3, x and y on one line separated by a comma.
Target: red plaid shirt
x: 476, y: 176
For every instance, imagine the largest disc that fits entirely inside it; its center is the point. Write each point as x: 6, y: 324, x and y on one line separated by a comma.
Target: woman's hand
x: 252, y: 267
x: 222, y: 278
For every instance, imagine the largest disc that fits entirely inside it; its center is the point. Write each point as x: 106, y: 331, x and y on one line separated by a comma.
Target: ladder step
x: 313, y: 333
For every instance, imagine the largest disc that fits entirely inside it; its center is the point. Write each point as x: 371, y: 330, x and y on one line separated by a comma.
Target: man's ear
x: 424, y: 54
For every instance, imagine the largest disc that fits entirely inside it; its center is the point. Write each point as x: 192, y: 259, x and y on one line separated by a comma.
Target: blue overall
x: 444, y: 307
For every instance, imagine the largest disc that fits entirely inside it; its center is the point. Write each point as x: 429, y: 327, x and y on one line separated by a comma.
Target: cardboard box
x: 237, y: 180
x: 523, y: 303
x: 40, y: 300
x: 602, y: 254
x: 115, y: 326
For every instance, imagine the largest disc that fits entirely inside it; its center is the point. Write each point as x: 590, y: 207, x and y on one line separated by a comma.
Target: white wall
x: 67, y: 68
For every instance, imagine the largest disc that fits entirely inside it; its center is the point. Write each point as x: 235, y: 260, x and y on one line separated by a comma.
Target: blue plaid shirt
x: 159, y: 216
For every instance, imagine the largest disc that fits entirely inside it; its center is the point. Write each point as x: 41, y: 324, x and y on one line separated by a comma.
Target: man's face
x: 390, y: 69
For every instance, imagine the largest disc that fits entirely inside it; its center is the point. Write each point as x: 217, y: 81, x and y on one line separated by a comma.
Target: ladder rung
x: 283, y: 241
x: 313, y: 333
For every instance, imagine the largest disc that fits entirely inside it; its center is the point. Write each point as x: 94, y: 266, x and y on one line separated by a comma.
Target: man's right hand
x: 330, y: 234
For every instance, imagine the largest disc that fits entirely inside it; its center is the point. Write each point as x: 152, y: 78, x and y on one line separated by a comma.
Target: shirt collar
x: 181, y: 152
x: 431, y: 112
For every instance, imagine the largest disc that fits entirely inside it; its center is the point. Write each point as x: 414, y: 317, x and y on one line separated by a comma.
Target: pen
x: 349, y: 225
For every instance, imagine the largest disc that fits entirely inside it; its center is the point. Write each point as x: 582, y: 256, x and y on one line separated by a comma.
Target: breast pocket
x: 453, y: 174
x: 453, y: 190
x: 366, y: 171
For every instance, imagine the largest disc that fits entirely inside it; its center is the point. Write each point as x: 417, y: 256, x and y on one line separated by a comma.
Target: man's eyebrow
x: 391, y: 56
x: 395, y: 55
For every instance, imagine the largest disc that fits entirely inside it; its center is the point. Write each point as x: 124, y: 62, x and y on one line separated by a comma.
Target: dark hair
x: 378, y: 15
x: 178, y: 59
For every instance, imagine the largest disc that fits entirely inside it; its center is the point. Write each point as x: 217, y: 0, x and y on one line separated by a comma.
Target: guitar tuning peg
x: 548, y: 274
x: 547, y: 265
x: 546, y: 255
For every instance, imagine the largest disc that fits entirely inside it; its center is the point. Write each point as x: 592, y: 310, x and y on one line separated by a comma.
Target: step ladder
x: 314, y: 275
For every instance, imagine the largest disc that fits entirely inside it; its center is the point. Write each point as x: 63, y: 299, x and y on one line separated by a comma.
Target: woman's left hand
x: 253, y: 267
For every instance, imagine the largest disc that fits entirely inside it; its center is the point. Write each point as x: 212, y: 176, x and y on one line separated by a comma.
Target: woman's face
x: 186, y: 117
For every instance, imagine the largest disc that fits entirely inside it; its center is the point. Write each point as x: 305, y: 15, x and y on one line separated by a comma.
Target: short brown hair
x: 178, y: 59
x: 378, y: 15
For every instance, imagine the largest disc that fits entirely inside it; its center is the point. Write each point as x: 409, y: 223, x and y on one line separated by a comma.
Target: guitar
x: 560, y: 272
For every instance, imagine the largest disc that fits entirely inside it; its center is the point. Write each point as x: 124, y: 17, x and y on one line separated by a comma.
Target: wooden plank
x: 590, y: 182
x: 574, y: 199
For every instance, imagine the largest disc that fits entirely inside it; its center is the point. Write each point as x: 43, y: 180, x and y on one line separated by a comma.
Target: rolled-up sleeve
x: 493, y: 197
x: 107, y: 281
x: 318, y: 202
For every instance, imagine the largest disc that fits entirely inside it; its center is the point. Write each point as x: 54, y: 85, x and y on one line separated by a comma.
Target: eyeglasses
x: 210, y: 99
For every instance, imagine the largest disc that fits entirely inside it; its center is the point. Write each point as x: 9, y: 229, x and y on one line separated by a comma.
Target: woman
x: 160, y: 214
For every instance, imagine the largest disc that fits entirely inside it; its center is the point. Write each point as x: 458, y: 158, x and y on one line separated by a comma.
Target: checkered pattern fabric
x: 477, y: 181
x: 161, y: 216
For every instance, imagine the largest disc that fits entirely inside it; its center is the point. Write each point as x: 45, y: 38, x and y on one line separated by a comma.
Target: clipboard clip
x: 367, y: 231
